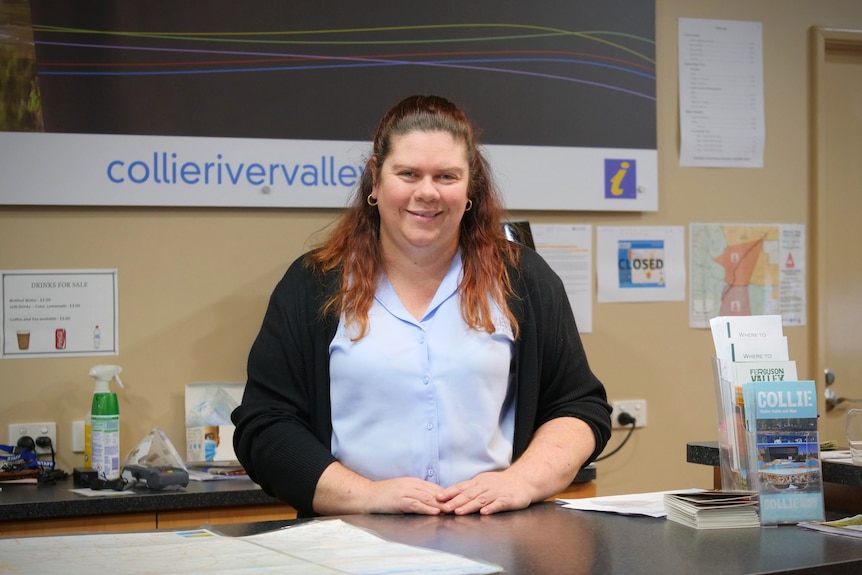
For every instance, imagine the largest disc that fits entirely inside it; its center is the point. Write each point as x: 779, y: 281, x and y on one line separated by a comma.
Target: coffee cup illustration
x: 23, y: 339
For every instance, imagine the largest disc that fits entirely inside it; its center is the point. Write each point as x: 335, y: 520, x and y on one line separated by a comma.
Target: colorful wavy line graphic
x: 521, y: 62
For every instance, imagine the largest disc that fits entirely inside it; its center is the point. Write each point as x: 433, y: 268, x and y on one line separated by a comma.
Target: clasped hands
x: 487, y: 493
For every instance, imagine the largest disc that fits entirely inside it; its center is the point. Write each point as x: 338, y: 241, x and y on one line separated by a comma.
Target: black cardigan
x: 283, y: 426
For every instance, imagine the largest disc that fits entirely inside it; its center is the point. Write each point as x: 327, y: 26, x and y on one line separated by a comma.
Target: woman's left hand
x: 487, y: 493
x: 558, y: 449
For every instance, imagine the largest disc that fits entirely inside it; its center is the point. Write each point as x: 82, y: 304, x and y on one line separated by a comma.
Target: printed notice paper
x: 568, y: 250
x: 59, y: 313
x: 640, y: 263
x: 721, y: 108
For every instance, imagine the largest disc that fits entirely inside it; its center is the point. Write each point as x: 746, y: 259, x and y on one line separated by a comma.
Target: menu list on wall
x: 721, y: 102
x: 57, y: 313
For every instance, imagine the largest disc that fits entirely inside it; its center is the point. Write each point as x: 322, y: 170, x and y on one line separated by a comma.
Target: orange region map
x: 745, y: 263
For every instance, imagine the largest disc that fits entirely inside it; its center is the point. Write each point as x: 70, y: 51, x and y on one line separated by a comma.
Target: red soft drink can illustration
x: 60, y: 338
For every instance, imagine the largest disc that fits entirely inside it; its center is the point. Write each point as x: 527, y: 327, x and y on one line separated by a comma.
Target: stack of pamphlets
x: 713, y: 509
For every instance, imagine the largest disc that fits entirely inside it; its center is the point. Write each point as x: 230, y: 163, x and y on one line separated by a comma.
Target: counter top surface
x: 546, y: 539
x: 35, y: 501
x: 29, y: 501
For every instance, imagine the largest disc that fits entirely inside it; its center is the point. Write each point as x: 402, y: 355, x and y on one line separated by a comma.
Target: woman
x: 417, y: 361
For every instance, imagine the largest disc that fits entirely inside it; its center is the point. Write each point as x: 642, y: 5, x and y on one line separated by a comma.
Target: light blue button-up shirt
x: 430, y: 399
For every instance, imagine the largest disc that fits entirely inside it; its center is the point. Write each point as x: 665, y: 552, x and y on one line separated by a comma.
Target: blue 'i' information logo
x: 620, y: 179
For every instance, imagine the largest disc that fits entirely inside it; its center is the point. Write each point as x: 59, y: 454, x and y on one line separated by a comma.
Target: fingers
x: 418, y: 507
x: 466, y: 498
x: 407, y: 495
x: 485, y: 494
x: 421, y: 499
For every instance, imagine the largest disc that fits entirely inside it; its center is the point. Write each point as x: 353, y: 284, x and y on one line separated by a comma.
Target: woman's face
x: 421, y: 192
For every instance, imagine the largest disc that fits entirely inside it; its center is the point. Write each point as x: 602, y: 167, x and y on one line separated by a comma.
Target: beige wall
x: 194, y: 282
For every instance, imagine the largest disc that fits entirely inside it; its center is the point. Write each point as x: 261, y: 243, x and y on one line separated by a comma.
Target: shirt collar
x: 386, y: 296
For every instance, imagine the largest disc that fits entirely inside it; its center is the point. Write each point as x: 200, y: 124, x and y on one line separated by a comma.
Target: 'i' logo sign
x: 620, y: 179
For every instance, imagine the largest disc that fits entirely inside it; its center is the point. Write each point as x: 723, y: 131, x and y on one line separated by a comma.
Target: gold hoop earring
x: 469, y: 205
x: 371, y: 200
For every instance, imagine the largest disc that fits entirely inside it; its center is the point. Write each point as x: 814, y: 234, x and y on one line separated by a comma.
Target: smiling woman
x: 421, y: 195
x: 417, y: 361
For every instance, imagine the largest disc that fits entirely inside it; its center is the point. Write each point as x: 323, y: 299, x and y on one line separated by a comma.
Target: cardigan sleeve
x: 554, y: 374
x: 282, y: 424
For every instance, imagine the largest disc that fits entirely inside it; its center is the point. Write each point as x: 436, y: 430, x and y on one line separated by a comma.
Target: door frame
x: 823, y: 40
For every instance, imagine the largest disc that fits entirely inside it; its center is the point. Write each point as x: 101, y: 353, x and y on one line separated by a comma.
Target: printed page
x: 721, y: 106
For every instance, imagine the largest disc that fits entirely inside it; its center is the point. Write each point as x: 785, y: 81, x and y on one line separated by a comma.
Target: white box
x: 208, y: 409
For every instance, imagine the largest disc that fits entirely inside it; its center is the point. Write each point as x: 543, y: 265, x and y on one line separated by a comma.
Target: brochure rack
x: 733, y: 441
x: 767, y: 419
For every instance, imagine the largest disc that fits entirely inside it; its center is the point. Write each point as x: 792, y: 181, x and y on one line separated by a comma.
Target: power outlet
x: 637, y: 408
x: 78, y: 436
x: 34, y: 430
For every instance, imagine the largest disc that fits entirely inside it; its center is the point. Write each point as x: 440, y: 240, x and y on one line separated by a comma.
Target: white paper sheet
x: 59, y: 313
x: 327, y: 547
x: 650, y: 504
x: 640, y: 263
x: 721, y: 106
x: 568, y: 250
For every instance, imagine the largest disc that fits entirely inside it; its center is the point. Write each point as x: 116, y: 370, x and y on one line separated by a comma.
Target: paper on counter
x: 326, y: 547
x: 649, y: 504
x: 344, y: 548
x: 835, y: 455
x: 848, y: 527
x: 87, y: 492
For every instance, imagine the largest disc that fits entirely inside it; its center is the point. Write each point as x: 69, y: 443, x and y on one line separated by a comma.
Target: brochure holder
x: 733, y: 438
x: 771, y: 449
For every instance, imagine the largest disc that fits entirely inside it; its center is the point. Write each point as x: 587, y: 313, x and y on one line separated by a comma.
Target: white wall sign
x: 57, y: 313
x: 127, y: 170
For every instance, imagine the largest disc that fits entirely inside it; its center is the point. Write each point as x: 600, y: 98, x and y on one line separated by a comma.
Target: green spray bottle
x: 105, y: 422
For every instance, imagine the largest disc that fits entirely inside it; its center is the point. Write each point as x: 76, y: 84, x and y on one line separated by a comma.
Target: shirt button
x: 429, y: 426
x: 430, y: 473
x: 426, y: 380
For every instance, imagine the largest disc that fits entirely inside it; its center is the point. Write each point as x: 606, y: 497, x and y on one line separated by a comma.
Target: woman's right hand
x: 405, y: 495
x: 341, y: 491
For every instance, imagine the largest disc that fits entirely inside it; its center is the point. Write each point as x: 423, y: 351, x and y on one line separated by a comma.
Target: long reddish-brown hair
x: 354, y: 246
